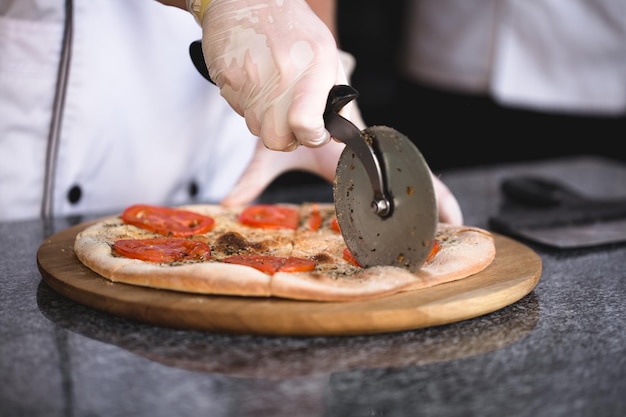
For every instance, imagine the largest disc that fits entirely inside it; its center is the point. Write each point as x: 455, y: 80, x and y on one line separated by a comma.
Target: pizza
x: 292, y: 251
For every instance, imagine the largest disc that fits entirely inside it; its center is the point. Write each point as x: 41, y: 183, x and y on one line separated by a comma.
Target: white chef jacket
x: 551, y: 55
x: 140, y: 125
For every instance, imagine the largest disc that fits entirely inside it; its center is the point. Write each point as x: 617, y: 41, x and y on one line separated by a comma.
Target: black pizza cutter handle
x: 197, y: 57
x: 345, y: 131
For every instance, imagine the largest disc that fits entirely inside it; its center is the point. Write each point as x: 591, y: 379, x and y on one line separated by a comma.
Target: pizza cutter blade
x: 383, y: 191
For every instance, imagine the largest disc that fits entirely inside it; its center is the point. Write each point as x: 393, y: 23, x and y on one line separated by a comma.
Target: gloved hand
x: 274, y: 62
x: 266, y: 165
x: 447, y: 204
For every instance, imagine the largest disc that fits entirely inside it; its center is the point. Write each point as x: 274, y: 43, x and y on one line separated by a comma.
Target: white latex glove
x: 447, y: 204
x: 266, y: 165
x: 274, y: 62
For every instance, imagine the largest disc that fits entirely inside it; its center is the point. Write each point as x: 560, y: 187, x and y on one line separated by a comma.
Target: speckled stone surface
x: 560, y: 351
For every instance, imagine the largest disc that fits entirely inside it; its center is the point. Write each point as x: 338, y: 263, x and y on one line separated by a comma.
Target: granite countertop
x: 559, y: 351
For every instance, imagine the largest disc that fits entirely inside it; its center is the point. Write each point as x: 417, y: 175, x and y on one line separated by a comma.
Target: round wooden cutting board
x: 511, y: 276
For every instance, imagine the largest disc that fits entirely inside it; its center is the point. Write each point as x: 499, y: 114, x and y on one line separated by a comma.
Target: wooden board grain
x: 513, y: 274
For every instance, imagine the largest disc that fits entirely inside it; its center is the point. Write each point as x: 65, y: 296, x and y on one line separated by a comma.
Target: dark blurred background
x: 454, y: 130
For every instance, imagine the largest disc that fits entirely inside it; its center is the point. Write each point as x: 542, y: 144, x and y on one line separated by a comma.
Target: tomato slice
x: 270, y: 216
x: 163, y: 249
x: 272, y: 264
x: 433, y: 251
x: 348, y: 256
x: 168, y: 221
x: 294, y: 264
x: 315, y: 219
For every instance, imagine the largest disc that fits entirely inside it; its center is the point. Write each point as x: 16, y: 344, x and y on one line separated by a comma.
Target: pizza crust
x: 365, y: 284
x: 464, y: 251
x: 95, y: 253
x: 202, y: 278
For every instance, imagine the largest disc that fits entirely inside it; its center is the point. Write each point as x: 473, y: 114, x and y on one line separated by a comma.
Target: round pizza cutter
x: 383, y: 191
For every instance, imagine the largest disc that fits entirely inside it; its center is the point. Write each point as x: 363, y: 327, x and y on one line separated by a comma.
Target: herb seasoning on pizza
x: 270, y: 250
